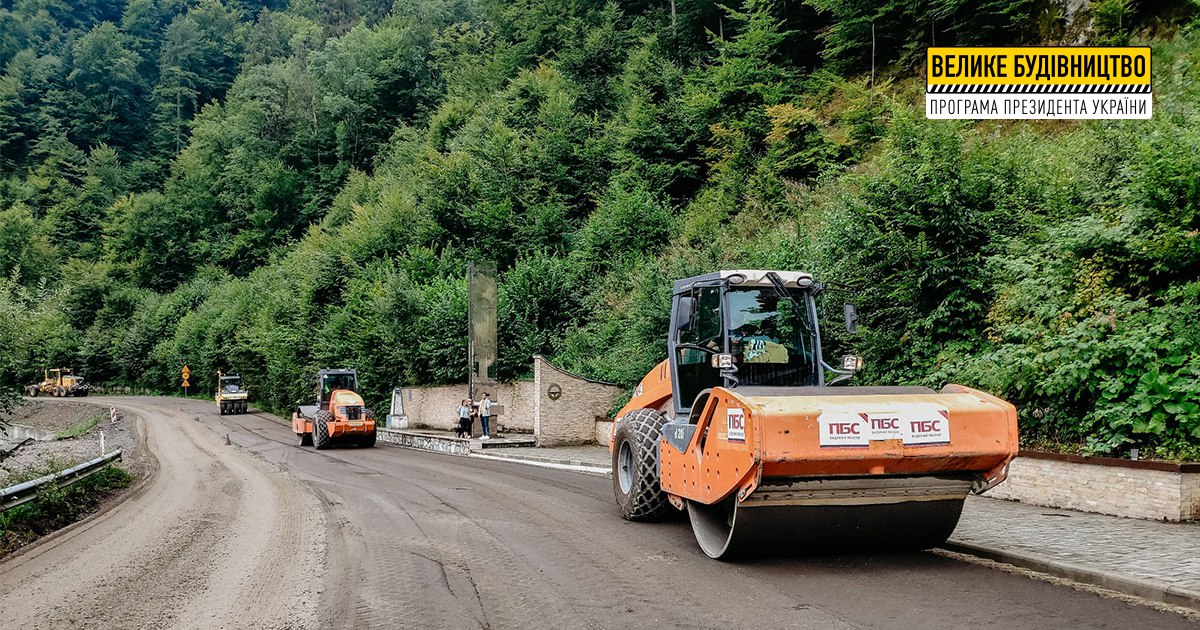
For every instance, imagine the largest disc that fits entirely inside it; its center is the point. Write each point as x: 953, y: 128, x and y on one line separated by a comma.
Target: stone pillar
x: 481, y: 333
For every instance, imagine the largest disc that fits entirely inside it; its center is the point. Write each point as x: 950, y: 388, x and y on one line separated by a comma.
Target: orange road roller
x: 746, y: 428
x: 339, y: 417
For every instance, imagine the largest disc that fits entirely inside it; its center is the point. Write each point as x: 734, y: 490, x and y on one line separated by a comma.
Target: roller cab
x: 769, y: 453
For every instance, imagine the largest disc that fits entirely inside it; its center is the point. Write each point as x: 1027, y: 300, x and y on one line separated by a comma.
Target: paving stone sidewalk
x: 1159, y: 561
x: 1151, y: 559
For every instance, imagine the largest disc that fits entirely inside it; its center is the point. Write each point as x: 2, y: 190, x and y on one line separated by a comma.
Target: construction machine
x: 231, y: 397
x: 339, y: 415
x: 743, y: 427
x: 59, y: 382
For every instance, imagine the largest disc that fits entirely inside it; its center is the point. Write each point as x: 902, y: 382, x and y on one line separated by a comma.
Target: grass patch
x: 49, y: 466
x: 58, y: 507
x: 79, y: 429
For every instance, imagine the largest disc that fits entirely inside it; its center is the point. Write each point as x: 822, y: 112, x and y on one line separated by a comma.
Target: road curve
x: 266, y: 534
x: 209, y: 542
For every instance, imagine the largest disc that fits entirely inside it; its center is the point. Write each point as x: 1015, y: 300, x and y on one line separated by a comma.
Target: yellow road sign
x: 185, y: 383
x: 185, y: 372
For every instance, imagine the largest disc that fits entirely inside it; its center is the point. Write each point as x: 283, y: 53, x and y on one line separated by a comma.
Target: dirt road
x: 210, y: 542
x: 267, y: 534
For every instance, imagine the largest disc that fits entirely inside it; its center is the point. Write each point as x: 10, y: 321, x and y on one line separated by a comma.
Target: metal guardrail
x: 13, y: 496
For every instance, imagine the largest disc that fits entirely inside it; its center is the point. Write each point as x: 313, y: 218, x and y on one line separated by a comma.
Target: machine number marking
x: 736, y: 425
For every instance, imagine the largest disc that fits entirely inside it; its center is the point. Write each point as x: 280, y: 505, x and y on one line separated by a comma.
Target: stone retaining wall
x: 436, y: 407
x: 1136, y: 489
x: 557, y: 407
x: 568, y: 407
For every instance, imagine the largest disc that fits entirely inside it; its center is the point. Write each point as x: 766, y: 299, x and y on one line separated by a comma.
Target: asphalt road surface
x: 265, y: 534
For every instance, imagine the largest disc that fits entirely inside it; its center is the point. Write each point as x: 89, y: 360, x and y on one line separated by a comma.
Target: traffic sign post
x: 186, y: 373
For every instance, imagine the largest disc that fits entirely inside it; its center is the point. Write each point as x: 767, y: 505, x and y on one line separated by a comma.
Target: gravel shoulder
x: 60, y: 415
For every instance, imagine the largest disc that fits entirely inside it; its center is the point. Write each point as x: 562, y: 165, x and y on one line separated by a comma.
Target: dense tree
x: 105, y: 76
x: 274, y: 186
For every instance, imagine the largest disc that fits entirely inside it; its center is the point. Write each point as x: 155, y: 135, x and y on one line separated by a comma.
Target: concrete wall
x: 568, y: 407
x: 1189, y: 496
x: 558, y: 407
x: 437, y: 407
x: 603, y: 431
x: 1104, y: 489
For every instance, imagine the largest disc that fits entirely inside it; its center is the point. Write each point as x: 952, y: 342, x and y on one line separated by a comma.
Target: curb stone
x: 564, y: 461
x: 1148, y: 588
x: 568, y: 465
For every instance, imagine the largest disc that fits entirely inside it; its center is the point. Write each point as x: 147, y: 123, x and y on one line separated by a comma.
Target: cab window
x: 704, y: 333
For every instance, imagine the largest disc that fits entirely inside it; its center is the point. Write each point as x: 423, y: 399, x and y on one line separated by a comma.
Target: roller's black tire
x: 303, y: 439
x: 636, y: 470
x: 320, y: 433
x: 245, y: 407
x: 367, y: 441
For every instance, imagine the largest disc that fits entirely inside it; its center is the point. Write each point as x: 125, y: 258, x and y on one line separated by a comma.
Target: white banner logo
x: 736, y: 425
x: 912, y: 424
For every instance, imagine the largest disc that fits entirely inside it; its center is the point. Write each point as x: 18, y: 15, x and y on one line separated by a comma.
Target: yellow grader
x: 743, y: 428
x: 59, y: 382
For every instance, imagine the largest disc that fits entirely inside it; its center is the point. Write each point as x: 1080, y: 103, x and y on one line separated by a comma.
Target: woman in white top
x: 464, y: 419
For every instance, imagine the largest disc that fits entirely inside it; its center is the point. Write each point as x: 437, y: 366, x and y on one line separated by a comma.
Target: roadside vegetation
x: 272, y: 187
x: 56, y: 507
x: 80, y: 428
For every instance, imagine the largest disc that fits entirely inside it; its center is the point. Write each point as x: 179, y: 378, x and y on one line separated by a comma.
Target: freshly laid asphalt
x: 1150, y: 559
x: 400, y: 538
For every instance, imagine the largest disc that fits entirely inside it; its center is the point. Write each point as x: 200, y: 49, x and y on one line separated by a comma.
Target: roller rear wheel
x: 635, y: 467
x: 320, y: 433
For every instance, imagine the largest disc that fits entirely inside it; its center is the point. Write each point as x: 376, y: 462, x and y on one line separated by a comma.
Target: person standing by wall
x: 465, y: 411
x: 485, y: 415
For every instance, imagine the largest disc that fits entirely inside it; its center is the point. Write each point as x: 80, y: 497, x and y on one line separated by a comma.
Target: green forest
x: 274, y: 186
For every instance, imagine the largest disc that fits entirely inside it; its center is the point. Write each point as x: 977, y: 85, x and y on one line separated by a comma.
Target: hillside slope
x: 271, y: 187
